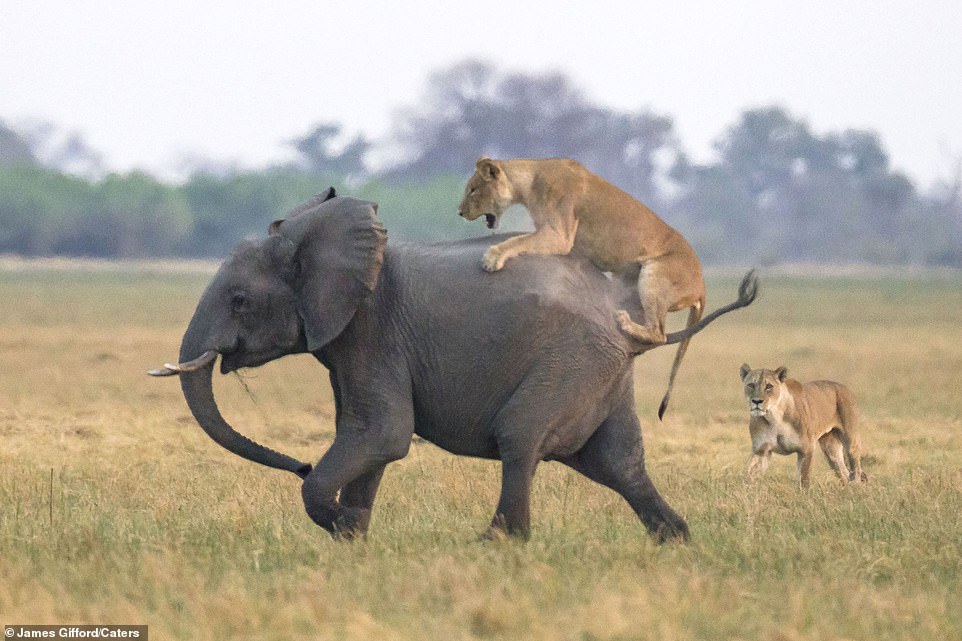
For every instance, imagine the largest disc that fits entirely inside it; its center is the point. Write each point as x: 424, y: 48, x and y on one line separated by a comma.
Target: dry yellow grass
x: 147, y: 521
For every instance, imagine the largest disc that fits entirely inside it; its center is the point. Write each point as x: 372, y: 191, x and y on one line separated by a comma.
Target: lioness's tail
x: 694, y: 314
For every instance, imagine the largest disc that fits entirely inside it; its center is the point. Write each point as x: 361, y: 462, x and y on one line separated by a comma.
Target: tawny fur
x: 574, y: 210
x: 789, y: 417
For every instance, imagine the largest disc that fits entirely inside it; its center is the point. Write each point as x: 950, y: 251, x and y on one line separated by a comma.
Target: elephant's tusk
x: 200, y: 362
x: 162, y: 371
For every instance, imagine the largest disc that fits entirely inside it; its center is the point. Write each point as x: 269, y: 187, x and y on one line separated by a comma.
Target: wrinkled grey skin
x: 524, y: 365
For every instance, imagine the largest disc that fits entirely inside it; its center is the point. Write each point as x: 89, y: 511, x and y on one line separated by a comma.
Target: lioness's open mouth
x: 490, y: 220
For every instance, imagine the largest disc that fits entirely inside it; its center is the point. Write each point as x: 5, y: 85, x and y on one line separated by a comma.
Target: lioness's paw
x: 493, y: 260
x: 624, y: 321
x: 636, y: 332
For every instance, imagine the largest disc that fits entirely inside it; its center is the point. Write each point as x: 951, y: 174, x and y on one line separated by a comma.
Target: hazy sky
x: 147, y: 84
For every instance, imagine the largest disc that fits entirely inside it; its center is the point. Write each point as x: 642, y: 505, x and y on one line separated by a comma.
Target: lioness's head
x: 762, y: 388
x: 487, y: 193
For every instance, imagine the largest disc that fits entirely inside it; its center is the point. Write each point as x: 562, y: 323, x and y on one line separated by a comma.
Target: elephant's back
x: 474, y: 339
x: 570, y: 282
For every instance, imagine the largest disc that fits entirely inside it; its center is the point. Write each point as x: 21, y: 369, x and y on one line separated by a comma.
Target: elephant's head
x: 293, y: 292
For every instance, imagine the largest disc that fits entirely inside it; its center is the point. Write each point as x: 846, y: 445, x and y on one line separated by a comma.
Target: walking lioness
x: 789, y: 417
x: 576, y: 211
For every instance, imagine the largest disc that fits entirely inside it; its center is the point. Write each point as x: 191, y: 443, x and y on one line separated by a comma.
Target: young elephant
x: 790, y: 417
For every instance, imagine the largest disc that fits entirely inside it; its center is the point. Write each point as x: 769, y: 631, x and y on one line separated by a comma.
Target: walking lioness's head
x: 762, y: 388
x: 487, y: 193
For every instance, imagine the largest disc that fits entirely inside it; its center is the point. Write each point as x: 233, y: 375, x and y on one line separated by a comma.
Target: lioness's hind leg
x: 637, y: 332
x: 855, y: 459
x: 834, y: 451
x: 655, y: 292
x: 850, y: 434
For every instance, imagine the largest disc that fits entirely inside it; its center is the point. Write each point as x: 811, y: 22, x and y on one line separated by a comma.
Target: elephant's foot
x: 500, y: 530
x: 342, y: 522
x: 671, y: 533
x: 351, y: 523
x: 666, y: 527
x: 494, y: 534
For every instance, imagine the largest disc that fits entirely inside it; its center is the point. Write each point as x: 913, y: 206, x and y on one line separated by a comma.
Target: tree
x: 14, y: 149
x: 226, y: 210
x: 318, y: 155
x: 803, y: 196
x: 471, y: 110
x: 39, y: 208
x: 64, y: 151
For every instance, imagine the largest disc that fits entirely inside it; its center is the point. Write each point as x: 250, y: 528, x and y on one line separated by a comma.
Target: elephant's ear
x: 322, y: 197
x: 339, y: 251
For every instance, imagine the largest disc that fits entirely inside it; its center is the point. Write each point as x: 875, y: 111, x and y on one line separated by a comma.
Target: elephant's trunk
x: 199, y: 393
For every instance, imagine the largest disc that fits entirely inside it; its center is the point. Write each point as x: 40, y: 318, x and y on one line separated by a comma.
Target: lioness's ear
x: 488, y: 169
x: 781, y: 373
x: 745, y: 369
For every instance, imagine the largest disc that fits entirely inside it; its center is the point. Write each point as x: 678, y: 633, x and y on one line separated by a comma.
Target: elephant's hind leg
x: 513, y: 514
x: 614, y: 456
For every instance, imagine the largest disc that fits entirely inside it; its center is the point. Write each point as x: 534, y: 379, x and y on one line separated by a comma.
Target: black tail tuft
x: 663, y: 407
x: 748, y: 289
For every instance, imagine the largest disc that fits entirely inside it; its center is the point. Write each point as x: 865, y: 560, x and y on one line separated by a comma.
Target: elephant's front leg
x: 513, y: 515
x: 358, y: 495
x: 352, y: 465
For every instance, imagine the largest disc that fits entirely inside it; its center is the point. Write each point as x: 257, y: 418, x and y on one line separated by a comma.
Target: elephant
x: 522, y: 366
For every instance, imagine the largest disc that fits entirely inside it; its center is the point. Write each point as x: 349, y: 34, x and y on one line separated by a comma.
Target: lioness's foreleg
x: 543, y: 241
x: 805, y: 466
x: 757, y: 465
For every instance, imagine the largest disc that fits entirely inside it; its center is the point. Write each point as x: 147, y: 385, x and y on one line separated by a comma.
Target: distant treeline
x: 776, y: 191
x: 45, y: 213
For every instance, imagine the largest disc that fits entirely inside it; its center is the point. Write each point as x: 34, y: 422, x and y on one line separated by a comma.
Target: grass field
x: 116, y: 508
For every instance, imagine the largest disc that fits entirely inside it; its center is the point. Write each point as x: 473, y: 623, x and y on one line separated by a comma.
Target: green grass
x: 151, y: 523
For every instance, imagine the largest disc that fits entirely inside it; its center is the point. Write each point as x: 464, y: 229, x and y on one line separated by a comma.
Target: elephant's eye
x: 239, y: 303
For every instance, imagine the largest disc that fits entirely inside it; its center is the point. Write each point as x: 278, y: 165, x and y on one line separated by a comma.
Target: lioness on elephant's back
x: 576, y: 211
